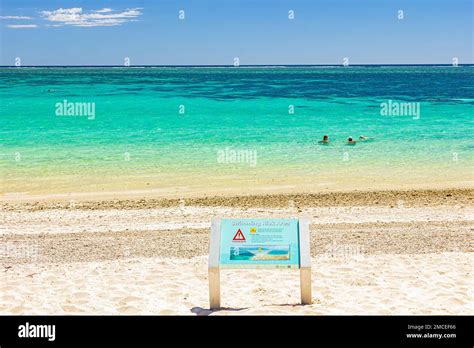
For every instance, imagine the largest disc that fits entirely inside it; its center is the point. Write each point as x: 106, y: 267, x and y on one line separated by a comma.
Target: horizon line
x: 229, y: 65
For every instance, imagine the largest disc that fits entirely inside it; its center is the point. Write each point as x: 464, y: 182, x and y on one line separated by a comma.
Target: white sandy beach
x: 377, y: 284
x: 144, y: 257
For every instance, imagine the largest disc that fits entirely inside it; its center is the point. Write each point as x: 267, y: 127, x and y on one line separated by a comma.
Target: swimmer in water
x: 351, y: 141
x: 325, y: 140
x: 364, y: 138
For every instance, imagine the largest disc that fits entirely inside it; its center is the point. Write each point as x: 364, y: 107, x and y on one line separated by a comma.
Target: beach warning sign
x: 239, y: 236
x: 259, y: 243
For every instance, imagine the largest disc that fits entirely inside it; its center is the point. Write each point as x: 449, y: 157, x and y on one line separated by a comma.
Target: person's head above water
x: 325, y: 138
x: 349, y: 139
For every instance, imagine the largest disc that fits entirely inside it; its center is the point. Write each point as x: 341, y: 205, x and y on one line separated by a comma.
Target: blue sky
x: 104, y: 32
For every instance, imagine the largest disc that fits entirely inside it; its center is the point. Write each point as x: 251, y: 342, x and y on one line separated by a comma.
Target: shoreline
x: 392, y: 198
x: 296, y: 186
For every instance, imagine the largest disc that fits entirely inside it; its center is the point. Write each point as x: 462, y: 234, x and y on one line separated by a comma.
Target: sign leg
x: 305, y: 285
x: 214, y: 288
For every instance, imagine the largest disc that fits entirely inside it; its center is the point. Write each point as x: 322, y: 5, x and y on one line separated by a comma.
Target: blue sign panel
x: 259, y: 243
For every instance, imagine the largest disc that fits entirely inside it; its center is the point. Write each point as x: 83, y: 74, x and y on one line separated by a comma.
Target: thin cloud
x: 15, y: 17
x: 105, y: 17
x: 22, y: 26
x: 104, y: 10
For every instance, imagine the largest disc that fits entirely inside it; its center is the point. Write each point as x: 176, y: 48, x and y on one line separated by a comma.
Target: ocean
x: 210, y: 130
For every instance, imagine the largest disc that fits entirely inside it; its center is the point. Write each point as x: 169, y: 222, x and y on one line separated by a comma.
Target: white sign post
x: 259, y: 243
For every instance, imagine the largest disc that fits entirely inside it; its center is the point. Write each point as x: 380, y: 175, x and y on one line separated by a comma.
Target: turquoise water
x: 138, y: 138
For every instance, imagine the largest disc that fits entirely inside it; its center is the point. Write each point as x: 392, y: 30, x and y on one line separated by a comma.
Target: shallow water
x: 234, y: 128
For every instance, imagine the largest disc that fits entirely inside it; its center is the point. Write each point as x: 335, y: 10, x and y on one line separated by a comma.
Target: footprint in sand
x: 8, y: 298
x: 457, y: 301
x: 71, y: 309
x: 128, y: 310
x: 260, y: 291
x: 167, y: 312
x: 81, y: 295
x: 124, y: 301
x: 18, y: 310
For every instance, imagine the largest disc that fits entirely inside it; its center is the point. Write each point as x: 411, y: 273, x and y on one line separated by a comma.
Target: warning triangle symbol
x: 239, y: 236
